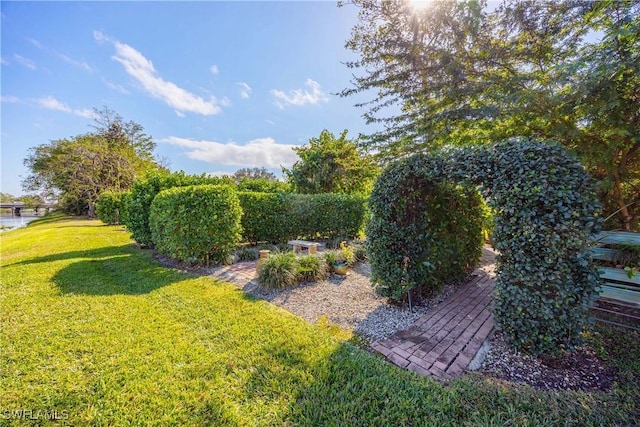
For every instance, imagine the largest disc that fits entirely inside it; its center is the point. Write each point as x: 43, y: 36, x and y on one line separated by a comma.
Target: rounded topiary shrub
x: 111, y: 206
x: 422, y: 233
x: 197, y: 224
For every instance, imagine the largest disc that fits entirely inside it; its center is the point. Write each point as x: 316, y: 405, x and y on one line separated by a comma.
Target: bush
x: 266, y: 217
x: 196, y: 224
x: 311, y: 268
x: 144, y: 190
x: 280, y: 217
x: 328, y: 216
x: 423, y: 234
x: 263, y: 185
x: 279, y: 270
x: 111, y: 206
x: 546, y: 214
x: 247, y: 254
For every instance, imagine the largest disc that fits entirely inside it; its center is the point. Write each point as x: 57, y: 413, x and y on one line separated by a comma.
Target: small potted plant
x: 343, y: 258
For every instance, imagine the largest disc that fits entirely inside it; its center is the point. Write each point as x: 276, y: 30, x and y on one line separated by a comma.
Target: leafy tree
x: 606, y: 99
x: 254, y: 173
x: 81, y: 167
x: 6, y: 197
x: 264, y: 185
x: 31, y: 200
x: 455, y: 73
x: 332, y: 165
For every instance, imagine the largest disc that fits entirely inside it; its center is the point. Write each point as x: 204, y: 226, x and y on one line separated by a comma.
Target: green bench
x: 617, y: 285
x: 618, y: 289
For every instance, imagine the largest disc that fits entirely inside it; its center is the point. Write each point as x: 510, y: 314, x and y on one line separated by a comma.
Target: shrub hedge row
x: 197, y: 224
x: 111, y: 206
x: 268, y: 217
x: 145, y: 190
x: 279, y: 217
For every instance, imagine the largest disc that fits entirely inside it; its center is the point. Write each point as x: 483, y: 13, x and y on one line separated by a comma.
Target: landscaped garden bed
x: 93, y: 326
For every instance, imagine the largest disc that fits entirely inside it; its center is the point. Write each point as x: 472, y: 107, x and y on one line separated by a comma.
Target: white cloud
x: 214, y: 69
x: 115, y: 86
x: 85, y: 112
x: 50, y: 103
x: 76, y: 63
x: 141, y: 69
x: 300, y: 97
x: 36, y: 43
x: 255, y: 153
x: 4, y: 61
x: 245, y: 90
x: 179, y: 114
x: 24, y: 61
x: 10, y: 99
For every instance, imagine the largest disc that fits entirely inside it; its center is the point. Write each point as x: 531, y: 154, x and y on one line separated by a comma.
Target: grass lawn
x: 96, y: 333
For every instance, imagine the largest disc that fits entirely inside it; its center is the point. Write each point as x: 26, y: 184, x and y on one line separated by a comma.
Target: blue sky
x: 219, y: 85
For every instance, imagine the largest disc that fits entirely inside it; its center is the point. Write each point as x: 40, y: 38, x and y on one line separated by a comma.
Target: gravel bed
x: 580, y: 370
x: 348, y: 301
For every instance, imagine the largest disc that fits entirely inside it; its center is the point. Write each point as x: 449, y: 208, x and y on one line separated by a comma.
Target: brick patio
x: 441, y: 343
x: 444, y: 341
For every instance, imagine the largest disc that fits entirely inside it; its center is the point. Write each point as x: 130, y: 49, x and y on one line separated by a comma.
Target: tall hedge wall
x: 546, y: 214
x: 144, y: 191
x: 196, y: 224
x: 111, y: 206
x: 279, y: 217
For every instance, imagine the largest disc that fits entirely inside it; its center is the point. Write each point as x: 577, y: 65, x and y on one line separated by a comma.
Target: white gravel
x: 348, y: 301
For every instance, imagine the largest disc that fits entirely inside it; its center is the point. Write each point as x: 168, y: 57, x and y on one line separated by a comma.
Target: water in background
x: 14, y: 222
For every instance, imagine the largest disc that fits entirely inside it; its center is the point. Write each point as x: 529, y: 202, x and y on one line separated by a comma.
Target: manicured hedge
x: 329, y: 215
x: 546, y: 214
x: 144, y: 191
x: 423, y: 233
x: 266, y: 216
x: 196, y: 224
x: 279, y: 217
x: 111, y: 206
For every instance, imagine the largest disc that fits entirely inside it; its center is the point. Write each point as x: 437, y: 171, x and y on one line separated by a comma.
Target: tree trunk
x: 617, y: 195
x: 91, y: 213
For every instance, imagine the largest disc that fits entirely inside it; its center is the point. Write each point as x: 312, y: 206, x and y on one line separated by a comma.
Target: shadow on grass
x: 93, y: 254
x: 113, y: 270
x: 117, y: 275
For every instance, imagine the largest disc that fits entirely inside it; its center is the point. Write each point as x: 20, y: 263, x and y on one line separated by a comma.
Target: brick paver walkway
x: 441, y: 343
x: 444, y: 341
x: 238, y: 274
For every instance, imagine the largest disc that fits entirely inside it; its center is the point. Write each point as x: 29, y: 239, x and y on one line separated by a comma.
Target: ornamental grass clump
x: 278, y: 270
x: 311, y: 268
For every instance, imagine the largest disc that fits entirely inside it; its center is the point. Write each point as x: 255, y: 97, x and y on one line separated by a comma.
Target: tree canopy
x: 332, y: 165
x: 254, y: 173
x: 79, y: 168
x: 457, y: 73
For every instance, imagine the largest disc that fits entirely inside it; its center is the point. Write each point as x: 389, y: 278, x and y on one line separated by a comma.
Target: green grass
x: 93, y: 328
